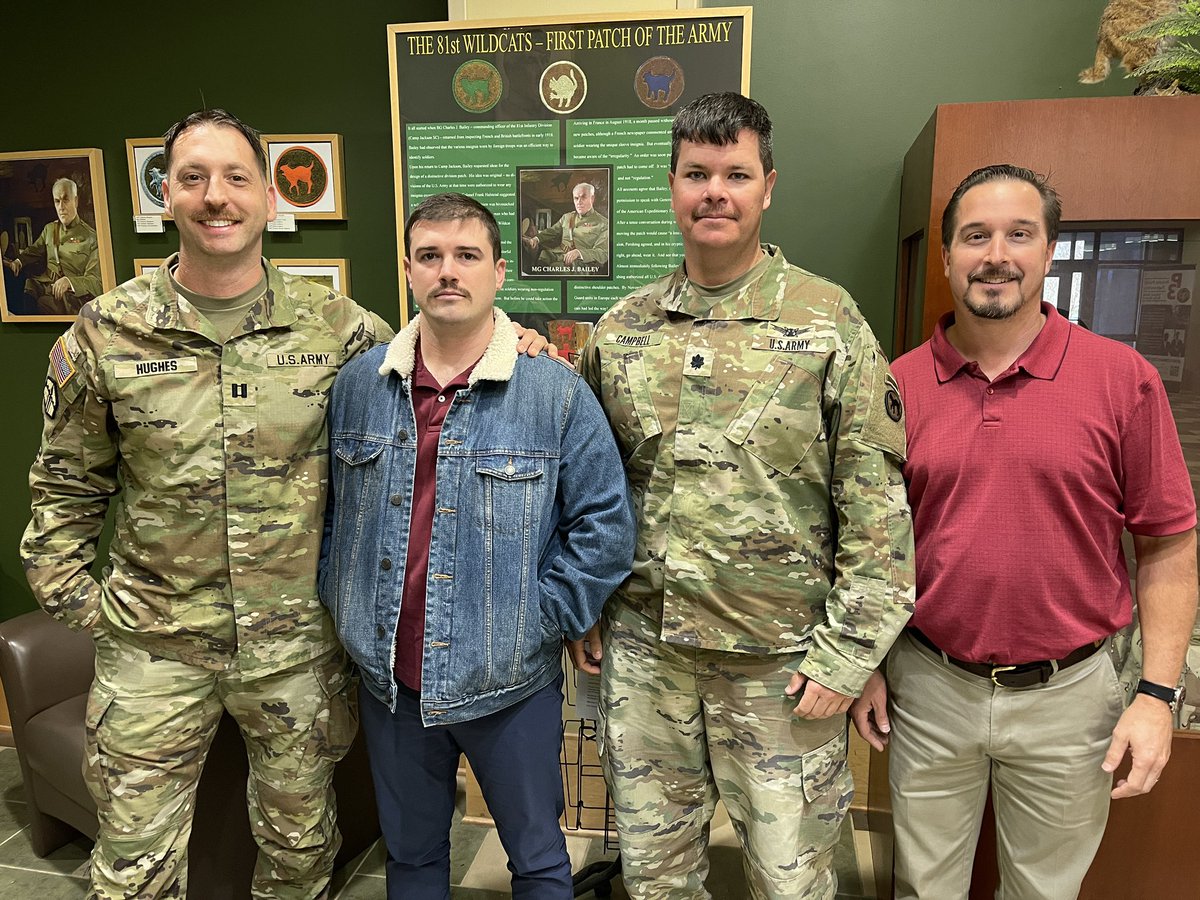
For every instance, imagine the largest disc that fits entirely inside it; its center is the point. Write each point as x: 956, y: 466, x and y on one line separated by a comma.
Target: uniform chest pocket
x: 511, y: 488
x: 626, y: 398
x: 291, y: 404
x: 781, y: 416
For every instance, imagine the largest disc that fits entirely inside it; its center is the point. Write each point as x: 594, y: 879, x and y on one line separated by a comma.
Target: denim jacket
x: 531, y: 532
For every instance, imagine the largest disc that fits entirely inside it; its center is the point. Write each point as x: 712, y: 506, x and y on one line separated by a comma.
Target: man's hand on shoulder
x: 586, y: 653
x: 816, y: 700
x: 869, y: 712
x: 1144, y: 730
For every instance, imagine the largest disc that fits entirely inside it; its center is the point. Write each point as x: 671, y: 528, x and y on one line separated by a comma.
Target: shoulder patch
x: 883, y: 410
x: 62, y: 362
x: 891, y: 402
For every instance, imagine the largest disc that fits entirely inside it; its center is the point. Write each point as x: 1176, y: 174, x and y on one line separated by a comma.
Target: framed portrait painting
x: 308, y: 176
x: 332, y: 273
x: 147, y: 172
x: 55, y: 245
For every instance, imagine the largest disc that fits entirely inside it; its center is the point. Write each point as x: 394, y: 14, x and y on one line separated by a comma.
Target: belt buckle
x: 998, y: 669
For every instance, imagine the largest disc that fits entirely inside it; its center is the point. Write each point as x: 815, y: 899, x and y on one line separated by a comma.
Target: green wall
x: 849, y: 85
x: 233, y: 55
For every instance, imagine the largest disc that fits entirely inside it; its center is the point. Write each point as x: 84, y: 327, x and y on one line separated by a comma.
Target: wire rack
x: 588, y: 809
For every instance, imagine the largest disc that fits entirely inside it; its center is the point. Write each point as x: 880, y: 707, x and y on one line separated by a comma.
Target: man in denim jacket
x: 478, y: 514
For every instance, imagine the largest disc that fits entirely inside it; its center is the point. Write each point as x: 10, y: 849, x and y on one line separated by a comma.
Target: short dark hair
x: 1051, y: 204
x: 219, y: 117
x: 719, y: 119
x: 449, y: 207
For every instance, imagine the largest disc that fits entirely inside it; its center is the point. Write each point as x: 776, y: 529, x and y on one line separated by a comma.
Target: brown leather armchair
x: 47, y: 670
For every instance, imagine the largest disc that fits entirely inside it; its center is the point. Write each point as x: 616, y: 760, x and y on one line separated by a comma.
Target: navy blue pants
x: 515, y: 755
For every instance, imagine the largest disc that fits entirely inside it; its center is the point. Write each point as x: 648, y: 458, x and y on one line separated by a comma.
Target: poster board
x: 1164, y: 317
x: 518, y: 113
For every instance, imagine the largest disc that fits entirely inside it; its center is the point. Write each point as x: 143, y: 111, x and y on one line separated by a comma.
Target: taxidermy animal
x: 476, y: 89
x: 562, y: 89
x: 297, y: 175
x: 1120, y: 18
x: 658, y: 87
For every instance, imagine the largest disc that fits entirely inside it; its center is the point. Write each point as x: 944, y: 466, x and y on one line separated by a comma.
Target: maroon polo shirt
x: 430, y: 402
x: 1021, y: 486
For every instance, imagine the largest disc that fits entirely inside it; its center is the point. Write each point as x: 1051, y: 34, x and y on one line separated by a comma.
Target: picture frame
x: 64, y: 263
x: 308, y: 174
x: 144, y: 265
x: 332, y: 273
x: 147, y: 171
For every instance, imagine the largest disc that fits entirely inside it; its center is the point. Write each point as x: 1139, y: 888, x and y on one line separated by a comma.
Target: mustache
x: 211, y: 212
x: 711, y: 209
x: 447, y: 289
x: 992, y: 272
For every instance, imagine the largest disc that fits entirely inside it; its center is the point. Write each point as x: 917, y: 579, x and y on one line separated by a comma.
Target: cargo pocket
x: 336, y: 722
x: 826, y: 775
x: 95, y: 763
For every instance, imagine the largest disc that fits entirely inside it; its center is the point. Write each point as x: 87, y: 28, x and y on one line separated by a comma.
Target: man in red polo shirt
x: 1032, y: 445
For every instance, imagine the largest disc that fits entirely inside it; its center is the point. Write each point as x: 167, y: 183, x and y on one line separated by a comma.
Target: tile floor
x: 477, y: 861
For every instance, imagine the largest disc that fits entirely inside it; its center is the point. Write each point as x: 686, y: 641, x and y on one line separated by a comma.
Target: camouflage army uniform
x: 215, y: 460
x: 70, y: 251
x: 762, y: 436
x: 587, y: 233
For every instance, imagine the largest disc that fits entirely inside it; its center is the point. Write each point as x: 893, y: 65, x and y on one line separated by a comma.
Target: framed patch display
x: 332, y: 273
x: 55, y: 244
x: 308, y: 175
x: 147, y: 172
x: 146, y: 265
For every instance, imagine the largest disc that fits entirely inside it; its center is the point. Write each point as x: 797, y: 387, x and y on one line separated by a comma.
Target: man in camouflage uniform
x: 578, y: 239
x: 64, y: 262
x: 193, y: 400
x: 763, y: 438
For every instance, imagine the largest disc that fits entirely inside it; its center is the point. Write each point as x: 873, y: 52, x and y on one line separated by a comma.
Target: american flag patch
x: 61, y: 363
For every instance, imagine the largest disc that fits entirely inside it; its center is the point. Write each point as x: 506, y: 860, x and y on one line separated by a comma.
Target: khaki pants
x: 150, y: 722
x: 1039, y: 747
x: 682, y: 727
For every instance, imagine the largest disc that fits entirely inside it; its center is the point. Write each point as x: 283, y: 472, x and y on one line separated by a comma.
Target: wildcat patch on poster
x: 565, y: 222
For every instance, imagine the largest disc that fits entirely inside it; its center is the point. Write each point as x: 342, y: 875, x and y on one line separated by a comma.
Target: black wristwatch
x: 1169, y: 696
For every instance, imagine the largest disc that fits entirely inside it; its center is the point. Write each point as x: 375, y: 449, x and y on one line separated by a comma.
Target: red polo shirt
x: 1020, y: 488
x: 430, y: 403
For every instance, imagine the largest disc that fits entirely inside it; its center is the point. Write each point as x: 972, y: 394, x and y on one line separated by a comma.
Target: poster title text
x: 556, y: 40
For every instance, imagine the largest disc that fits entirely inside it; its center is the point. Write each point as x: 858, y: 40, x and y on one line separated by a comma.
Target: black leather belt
x: 1018, y: 676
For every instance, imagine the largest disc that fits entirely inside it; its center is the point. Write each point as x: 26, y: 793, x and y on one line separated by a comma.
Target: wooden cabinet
x: 1111, y: 159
